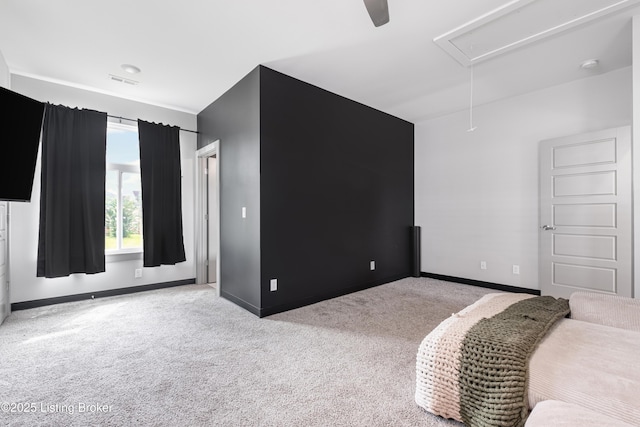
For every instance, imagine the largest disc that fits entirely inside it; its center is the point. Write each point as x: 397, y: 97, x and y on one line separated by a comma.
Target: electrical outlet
x: 372, y: 265
x: 483, y: 265
x: 274, y: 285
x: 516, y: 269
x: 137, y: 273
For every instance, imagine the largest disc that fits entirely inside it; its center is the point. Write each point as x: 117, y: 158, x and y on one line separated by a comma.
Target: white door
x: 4, y: 286
x: 585, y: 214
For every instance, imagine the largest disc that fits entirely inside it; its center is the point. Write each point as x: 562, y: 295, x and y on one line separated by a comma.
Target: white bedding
x: 594, y: 366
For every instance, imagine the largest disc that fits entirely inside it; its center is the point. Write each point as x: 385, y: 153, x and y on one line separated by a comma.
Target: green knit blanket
x: 495, y: 358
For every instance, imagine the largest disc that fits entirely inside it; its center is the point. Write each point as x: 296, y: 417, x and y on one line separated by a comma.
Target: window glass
x: 122, y: 145
x: 123, y: 200
x: 131, y: 211
x: 111, y: 211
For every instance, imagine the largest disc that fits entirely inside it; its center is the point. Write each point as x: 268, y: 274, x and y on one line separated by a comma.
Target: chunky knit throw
x: 494, y: 361
x: 473, y: 366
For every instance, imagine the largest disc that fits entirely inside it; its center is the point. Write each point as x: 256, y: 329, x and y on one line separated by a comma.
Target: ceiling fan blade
x: 378, y: 11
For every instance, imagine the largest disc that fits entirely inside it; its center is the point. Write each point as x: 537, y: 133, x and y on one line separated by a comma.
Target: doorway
x: 208, y: 216
x: 211, y: 219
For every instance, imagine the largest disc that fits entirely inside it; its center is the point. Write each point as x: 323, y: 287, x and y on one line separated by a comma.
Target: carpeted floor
x: 184, y: 357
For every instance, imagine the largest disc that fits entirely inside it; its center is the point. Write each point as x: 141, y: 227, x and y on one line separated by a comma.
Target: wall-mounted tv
x: 20, y: 127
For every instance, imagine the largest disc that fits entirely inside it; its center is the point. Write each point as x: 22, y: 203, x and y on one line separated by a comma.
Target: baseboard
x: 99, y: 294
x: 242, y: 303
x: 496, y: 286
x: 268, y: 311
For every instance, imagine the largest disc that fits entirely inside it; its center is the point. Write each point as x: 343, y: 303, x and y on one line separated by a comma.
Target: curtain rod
x: 135, y: 120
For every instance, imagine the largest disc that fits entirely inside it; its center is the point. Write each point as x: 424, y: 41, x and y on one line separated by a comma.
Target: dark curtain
x: 71, y: 238
x: 161, y: 194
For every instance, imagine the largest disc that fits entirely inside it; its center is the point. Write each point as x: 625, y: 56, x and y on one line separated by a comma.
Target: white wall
x: 476, y: 194
x: 24, y: 285
x: 5, y: 77
x: 4, y: 292
x: 635, y: 142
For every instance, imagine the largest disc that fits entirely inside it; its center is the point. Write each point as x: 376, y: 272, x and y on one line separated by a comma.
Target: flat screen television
x: 20, y: 127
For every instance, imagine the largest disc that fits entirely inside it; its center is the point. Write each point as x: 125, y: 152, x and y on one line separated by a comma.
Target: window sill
x: 123, y: 255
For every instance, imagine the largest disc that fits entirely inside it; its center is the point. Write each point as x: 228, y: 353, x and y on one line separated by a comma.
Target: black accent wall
x: 333, y: 185
x: 336, y: 190
x: 234, y: 119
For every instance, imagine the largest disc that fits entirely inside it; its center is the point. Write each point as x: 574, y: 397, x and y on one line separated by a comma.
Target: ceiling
x: 192, y: 51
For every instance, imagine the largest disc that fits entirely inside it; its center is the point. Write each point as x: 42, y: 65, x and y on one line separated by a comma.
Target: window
x: 123, y: 200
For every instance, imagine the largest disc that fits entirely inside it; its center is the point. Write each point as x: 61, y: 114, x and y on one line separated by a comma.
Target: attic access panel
x: 520, y: 22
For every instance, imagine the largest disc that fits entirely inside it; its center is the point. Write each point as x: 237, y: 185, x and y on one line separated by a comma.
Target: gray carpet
x: 182, y: 356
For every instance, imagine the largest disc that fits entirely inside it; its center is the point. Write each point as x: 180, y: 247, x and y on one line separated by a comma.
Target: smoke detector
x: 590, y: 64
x: 131, y: 69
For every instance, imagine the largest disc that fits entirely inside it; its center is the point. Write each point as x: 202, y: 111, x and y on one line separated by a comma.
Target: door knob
x: 548, y: 227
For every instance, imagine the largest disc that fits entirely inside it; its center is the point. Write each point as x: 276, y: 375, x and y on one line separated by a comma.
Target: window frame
x: 121, y: 168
